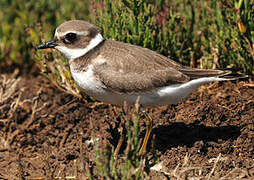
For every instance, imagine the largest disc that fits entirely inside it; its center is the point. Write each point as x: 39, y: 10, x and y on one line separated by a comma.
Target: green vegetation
x: 204, y: 34
x: 107, y: 164
x: 129, y: 165
x: 20, y: 26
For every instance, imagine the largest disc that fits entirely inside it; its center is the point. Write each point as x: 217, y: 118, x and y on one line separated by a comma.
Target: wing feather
x: 132, y: 82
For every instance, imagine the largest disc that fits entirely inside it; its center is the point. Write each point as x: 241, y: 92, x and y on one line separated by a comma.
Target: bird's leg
x: 149, y: 125
x: 123, y: 131
x: 120, y: 143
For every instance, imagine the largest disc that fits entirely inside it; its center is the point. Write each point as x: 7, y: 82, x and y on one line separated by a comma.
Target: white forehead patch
x: 74, y: 53
x: 83, y: 33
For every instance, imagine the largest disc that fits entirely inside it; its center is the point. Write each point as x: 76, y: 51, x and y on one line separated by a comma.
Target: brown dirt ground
x: 45, y: 132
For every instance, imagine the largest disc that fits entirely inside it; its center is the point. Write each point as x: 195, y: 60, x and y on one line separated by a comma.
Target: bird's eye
x: 69, y: 38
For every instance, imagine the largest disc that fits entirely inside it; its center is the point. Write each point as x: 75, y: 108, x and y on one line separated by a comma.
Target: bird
x: 116, y: 72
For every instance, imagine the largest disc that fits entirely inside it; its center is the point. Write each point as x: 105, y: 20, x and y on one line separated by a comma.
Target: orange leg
x: 149, y: 125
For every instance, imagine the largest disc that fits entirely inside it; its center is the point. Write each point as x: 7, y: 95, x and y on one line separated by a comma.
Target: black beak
x: 49, y: 44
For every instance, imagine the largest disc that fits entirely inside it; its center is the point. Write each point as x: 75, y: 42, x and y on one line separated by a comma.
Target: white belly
x: 171, y: 94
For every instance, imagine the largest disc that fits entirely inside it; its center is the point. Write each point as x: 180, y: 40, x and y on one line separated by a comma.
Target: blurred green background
x: 204, y: 34
x: 23, y: 24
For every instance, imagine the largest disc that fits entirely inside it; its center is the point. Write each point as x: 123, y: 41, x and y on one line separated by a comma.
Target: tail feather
x: 229, y: 74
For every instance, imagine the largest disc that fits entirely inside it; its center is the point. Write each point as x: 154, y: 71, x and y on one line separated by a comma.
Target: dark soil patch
x: 45, y: 132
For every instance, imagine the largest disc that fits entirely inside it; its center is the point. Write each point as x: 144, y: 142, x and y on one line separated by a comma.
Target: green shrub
x: 196, y: 33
